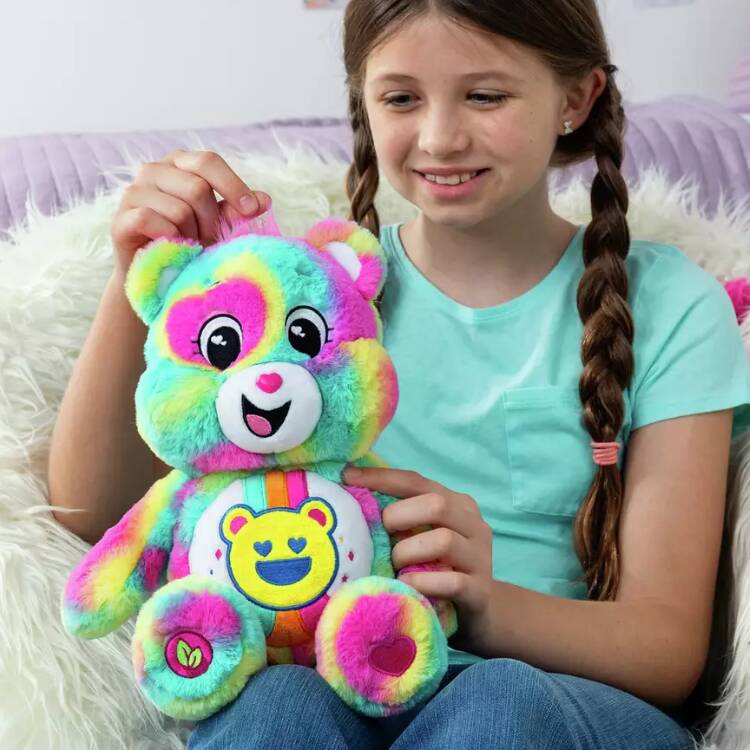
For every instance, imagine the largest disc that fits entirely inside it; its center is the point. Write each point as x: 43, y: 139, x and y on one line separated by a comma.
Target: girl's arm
x: 98, y: 461
x: 653, y: 640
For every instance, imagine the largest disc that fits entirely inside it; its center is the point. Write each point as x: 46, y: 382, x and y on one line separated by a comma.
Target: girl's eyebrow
x: 469, y: 76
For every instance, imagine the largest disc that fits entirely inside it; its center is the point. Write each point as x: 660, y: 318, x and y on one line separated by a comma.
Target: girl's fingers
x: 230, y: 214
x: 394, y: 482
x: 220, y: 176
x: 440, y: 545
x: 173, y: 209
x: 431, y: 509
x: 193, y: 191
x: 443, y: 584
x: 138, y: 225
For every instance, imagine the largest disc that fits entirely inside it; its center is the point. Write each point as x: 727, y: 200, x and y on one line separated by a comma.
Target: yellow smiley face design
x: 282, y: 558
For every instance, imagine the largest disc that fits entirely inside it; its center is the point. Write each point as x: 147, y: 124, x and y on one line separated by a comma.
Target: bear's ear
x: 153, y: 269
x: 356, y: 249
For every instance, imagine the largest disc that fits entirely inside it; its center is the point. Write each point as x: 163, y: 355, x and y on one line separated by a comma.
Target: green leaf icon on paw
x: 184, y: 653
x: 195, y: 658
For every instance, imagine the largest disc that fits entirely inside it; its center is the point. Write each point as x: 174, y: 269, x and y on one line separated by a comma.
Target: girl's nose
x: 441, y: 134
x: 270, y: 382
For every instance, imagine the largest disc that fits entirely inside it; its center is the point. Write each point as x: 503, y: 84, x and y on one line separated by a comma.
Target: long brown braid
x: 568, y: 35
x: 606, y: 346
x: 362, y: 179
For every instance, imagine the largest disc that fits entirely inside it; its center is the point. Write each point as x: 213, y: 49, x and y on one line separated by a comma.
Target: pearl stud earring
x: 568, y: 128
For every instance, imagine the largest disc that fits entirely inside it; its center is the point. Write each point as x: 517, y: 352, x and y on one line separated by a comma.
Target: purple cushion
x: 684, y: 135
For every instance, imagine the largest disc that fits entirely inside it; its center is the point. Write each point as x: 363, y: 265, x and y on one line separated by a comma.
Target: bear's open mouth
x: 261, y: 422
x: 283, y: 572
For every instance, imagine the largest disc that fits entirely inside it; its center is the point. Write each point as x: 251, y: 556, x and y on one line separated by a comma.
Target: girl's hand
x: 460, y: 538
x: 175, y: 197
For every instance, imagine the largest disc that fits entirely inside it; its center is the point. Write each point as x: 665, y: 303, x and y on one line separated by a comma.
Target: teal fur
x: 193, y: 427
x: 200, y: 499
x: 225, y: 659
x: 171, y: 258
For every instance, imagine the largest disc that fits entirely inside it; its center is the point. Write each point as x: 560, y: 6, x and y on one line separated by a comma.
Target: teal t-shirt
x: 489, y: 400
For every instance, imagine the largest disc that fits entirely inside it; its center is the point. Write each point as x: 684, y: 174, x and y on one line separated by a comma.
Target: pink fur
x: 205, y: 613
x: 304, y: 654
x: 265, y: 224
x: 179, y: 563
x: 370, y: 276
x: 152, y: 564
x: 372, y: 620
x: 296, y: 485
x: 310, y: 615
x: 228, y: 457
x: 738, y: 290
x: 367, y: 503
x: 121, y: 536
x: 237, y: 297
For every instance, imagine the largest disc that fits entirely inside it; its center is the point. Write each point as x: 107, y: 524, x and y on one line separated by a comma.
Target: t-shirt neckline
x: 414, y: 277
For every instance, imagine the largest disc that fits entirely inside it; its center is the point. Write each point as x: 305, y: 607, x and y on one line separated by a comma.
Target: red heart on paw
x: 393, y: 658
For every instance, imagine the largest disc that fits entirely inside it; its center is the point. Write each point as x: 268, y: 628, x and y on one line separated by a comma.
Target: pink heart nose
x: 270, y: 382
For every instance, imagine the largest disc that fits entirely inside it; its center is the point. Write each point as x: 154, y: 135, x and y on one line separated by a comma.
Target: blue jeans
x: 497, y: 703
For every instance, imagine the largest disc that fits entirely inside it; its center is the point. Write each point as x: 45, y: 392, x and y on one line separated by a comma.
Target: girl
x: 584, y: 581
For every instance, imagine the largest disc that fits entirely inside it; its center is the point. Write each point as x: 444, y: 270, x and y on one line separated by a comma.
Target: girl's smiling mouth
x: 460, y: 184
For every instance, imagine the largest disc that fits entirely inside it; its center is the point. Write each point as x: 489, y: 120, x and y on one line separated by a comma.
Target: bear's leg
x: 380, y: 646
x: 197, y: 642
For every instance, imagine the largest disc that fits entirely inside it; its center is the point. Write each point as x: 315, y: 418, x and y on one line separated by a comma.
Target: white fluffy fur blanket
x: 60, y: 692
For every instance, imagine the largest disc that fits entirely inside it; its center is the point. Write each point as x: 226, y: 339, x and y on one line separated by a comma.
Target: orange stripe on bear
x: 288, y: 629
x: 276, y: 494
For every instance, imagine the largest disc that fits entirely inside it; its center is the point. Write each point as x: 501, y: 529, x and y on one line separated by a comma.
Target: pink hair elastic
x: 605, y: 453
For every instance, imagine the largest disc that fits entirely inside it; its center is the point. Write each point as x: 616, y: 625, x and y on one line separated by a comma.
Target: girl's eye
x: 492, y: 98
x: 488, y: 99
x: 220, y: 341
x: 393, y: 99
x: 306, y: 330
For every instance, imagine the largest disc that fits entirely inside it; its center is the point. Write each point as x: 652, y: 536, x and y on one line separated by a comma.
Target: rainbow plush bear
x: 265, y: 375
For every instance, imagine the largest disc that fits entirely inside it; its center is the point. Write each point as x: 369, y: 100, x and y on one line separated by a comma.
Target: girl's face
x: 441, y: 96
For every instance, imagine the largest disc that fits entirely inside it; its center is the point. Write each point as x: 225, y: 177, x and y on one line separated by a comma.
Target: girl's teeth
x: 453, y: 179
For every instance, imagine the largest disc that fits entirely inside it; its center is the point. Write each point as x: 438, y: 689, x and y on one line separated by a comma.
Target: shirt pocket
x: 549, y: 452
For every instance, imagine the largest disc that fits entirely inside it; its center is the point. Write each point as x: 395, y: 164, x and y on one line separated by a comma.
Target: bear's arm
x: 125, y: 566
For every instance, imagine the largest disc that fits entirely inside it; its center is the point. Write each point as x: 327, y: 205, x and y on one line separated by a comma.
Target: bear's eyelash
x: 197, y: 341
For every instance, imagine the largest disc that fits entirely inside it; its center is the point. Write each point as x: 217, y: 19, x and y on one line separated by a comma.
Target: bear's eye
x: 220, y: 340
x: 306, y: 330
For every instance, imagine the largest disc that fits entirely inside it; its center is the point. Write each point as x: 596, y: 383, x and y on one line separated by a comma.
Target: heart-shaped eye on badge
x: 262, y: 548
x: 297, y: 544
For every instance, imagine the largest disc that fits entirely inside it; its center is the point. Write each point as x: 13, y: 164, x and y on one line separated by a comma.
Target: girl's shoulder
x: 663, y: 277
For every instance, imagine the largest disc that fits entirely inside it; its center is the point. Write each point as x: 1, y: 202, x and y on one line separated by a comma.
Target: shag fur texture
x: 61, y: 692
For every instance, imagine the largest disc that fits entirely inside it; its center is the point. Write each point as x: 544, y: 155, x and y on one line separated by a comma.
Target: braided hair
x: 568, y: 35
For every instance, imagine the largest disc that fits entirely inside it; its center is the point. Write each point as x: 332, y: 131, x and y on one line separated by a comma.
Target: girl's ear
x: 356, y: 249
x: 153, y: 269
